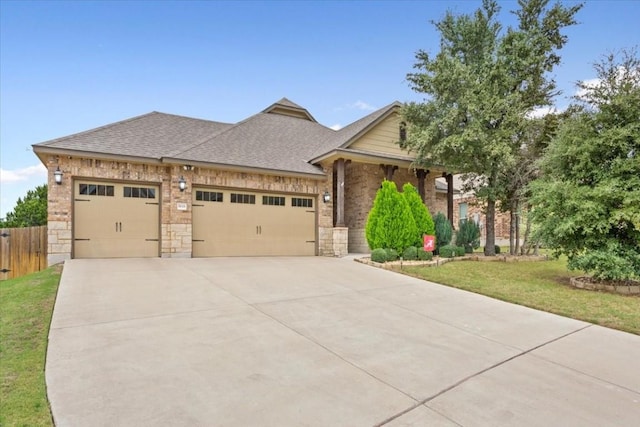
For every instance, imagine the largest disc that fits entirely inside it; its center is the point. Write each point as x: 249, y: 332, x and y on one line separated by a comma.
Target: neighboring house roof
x: 284, y: 137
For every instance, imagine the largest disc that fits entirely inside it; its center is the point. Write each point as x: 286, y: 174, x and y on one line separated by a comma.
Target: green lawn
x: 538, y: 284
x: 26, y: 304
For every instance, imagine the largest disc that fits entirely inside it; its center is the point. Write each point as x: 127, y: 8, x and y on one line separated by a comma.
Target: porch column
x: 388, y: 171
x: 339, y: 165
x: 449, y: 178
x: 421, y: 174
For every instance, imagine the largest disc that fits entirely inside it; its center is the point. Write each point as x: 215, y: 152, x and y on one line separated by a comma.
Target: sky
x: 70, y: 66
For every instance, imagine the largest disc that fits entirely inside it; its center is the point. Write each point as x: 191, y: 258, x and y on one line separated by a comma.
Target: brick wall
x: 477, y: 208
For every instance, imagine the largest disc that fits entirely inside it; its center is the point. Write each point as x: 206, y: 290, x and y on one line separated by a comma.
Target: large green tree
x: 29, y: 211
x: 587, y: 202
x: 479, y: 89
x: 420, y: 213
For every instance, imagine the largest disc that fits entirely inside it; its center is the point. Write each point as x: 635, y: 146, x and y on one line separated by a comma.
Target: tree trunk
x: 517, y: 231
x: 512, y: 227
x: 490, y: 246
x: 527, y: 232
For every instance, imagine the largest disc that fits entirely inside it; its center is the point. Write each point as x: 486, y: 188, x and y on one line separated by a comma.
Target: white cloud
x: 587, y: 86
x: 337, y: 126
x: 540, y: 112
x: 23, y: 174
x: 361, y: 105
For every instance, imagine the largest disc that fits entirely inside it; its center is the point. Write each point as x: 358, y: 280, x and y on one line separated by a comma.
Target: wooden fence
x: 22, y: 251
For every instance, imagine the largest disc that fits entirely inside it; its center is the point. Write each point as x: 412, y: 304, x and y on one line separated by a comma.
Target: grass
x: 543, y: 285
x: 26, y: 305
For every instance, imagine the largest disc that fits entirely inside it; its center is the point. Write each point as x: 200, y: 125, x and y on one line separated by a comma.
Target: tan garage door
x: 115, y: 220
x: 240, y: 223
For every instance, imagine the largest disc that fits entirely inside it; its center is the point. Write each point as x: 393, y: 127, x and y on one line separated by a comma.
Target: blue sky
x: 66, y: 67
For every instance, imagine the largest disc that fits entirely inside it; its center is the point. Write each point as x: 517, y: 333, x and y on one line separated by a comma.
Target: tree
x: 587, y: 202
x: 420, y: 213
x: 30, y: 211
x: 443, y: 229
x: 480, y: 87
x: 390, y: 224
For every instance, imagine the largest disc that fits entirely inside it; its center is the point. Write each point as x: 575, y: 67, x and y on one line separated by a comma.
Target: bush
x: 423, y: 255
x: 420, y: 213
x: 443, y: 230
x: 410, y: 253
x: 497, y: 250
x: 468, y: 235
x: 392, y: 254
x: 460, y: 251
x: 390, y: 223
x: 448, y: 251
x: 379, y: 255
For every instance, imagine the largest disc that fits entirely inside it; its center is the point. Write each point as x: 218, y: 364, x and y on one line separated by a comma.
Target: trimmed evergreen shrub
x: 468, y: 235
x: 421, y: 215
x: 443, y: 230
x: 390, y: 223
x: 392, y: 254
x: 379, y: 255
x: 424, y: 256
x: 448, y: 251
x: 410, y: 253
x: 460, y: 250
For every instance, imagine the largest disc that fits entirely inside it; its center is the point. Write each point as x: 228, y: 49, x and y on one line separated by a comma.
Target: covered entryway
x: 115, y: 220
x: 240, y: 223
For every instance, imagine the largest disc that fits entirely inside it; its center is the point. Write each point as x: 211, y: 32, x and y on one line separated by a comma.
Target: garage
x: 230, y: 222
x: 116, y: 220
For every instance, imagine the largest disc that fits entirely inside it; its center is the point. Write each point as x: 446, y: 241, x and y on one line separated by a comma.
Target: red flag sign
x: 429, y: 243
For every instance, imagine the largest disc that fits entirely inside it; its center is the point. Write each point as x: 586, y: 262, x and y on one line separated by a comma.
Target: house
x: 276, y: 183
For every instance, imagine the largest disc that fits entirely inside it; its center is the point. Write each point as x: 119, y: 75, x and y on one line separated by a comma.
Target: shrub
x: 468, y: 235
x: 390, y: 223
x: 460, y: 250
x: 497, y: 250
x: 420, y: 213
x: 423, y: 255
x: 448, y: 251
x: 379, y: 255
x: 410, y: 253
x: 392, y: 254
x: 443, y: 230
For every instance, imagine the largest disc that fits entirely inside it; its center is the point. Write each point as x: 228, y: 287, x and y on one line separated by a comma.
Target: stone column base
x: 340, y: 241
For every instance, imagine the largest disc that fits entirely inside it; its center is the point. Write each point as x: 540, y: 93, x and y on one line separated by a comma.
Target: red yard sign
x: 429, y: 243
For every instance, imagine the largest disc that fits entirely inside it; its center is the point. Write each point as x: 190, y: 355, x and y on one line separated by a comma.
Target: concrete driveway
x: 320, y: 342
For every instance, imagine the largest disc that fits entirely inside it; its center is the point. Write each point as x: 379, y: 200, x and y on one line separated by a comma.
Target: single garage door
x: 239, y: 223
x: 115, y: 220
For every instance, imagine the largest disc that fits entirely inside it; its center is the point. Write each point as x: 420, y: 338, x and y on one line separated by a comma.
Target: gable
x: 382, y: 138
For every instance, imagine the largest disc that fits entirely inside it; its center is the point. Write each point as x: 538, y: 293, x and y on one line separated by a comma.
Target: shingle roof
x: 273, y: 139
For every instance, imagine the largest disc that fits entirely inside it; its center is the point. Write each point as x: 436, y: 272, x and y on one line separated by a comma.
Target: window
x: 208, y: 196
x: 249, y: 199
x: 403, y: 132
x: 463, y: 210
x: 298, y: 202
x: 139, y: 192
x: 96, y: 190
x: 273, y: 200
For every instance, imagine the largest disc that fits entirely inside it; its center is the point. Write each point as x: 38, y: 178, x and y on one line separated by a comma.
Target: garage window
x: 299, y: 202
x: 140, y: 192
x: 96, y: 190
x: 273, y: 200
x: 209, y: 196
x: 249, y: 199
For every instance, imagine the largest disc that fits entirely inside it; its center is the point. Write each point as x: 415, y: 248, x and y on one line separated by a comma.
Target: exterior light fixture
x: 182, y: 184
x: 57, y: 175
x: 326, y: 197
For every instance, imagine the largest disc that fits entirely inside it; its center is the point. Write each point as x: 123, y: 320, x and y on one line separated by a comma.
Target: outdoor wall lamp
x: 326, y: 197
x: 182, y: 184
x: 57, y: 175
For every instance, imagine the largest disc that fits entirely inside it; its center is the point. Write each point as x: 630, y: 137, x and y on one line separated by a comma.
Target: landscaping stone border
x: 585, y: 282
x: 436, y: 261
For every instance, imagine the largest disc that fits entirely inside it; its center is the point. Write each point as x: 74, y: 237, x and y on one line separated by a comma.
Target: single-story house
x: 276, y: 183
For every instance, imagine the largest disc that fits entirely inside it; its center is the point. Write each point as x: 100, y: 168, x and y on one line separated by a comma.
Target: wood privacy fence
x: 22, y: 251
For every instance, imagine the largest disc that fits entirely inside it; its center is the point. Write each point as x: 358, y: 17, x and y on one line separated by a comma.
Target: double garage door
x: 122, y: 220
x: 239, y: 223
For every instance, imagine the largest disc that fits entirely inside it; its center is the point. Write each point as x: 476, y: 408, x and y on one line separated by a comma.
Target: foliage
x: 392, y: 254
x: 29, y: 211
x: 390, y: 223
x: 421, y: 215
x: 468, y: 235
x: 448, y: 251
x: 410, y: 253
x: 496, y: 249
x: 26, y: 306
x: 460, y: 250
x: 443, y: 229
x: 538, y: 284
x: 379, y: 255
x: 424, y: 255
x: 587, y: 202
x: 480, y: 88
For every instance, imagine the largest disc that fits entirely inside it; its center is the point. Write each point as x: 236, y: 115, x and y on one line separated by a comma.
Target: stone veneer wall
x: 176, y: 231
